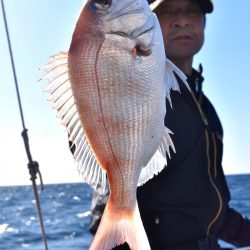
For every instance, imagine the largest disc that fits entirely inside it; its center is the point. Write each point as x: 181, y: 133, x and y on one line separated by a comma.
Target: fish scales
x: 125, y: 106
x: 113, y: 106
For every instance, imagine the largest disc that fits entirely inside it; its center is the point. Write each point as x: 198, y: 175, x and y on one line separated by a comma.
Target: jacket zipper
x: 215, y: 156
x: 214, y: 186
x: 209, y: 163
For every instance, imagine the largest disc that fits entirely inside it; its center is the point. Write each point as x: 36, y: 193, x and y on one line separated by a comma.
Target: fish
x: 109, y: 91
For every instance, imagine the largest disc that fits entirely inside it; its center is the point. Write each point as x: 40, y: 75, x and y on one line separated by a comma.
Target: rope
x: 33, y: 166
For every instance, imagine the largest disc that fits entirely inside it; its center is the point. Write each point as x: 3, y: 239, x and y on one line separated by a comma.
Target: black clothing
x: 236, y: 229
x: 186, y: 205
x: 207, y: 243
x: 189, y: 199
x: 99, y: 201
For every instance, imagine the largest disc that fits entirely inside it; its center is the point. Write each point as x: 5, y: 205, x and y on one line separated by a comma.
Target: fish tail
x: 118, y: 227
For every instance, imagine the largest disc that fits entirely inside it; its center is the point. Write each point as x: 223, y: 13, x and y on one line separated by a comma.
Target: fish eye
x: 101, y: 4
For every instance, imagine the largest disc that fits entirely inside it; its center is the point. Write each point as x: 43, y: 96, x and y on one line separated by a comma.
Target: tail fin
x: 118, y: 227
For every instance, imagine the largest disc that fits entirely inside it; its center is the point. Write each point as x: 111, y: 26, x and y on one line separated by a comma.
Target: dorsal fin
x: 159, y: 159
x: 62, y: 98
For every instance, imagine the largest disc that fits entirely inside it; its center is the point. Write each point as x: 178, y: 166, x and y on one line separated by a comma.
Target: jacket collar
x: 195, y: 81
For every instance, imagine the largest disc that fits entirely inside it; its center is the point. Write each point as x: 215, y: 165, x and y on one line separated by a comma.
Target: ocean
x: 66, y: 210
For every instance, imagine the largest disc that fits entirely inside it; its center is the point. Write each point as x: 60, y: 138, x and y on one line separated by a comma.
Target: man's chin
x: 181, y: 51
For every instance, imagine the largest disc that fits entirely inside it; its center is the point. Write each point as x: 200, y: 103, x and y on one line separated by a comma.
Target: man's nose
x: 181, y: 21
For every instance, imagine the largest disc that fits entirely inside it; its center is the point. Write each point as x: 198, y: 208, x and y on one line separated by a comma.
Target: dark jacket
x: 189, y: 199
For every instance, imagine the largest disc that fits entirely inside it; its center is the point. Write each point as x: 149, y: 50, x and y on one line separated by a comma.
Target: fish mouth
x: 132, y: 35
x: 144, y: 28
x: 130, y: 12
x: 147, y: 29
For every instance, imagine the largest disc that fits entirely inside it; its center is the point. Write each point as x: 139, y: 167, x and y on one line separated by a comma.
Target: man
x: 186, y: 207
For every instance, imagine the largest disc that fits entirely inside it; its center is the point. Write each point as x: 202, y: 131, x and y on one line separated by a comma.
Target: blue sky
x: 44, y: 27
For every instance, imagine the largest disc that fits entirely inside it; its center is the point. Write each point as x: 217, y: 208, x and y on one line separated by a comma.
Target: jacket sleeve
x: 99, y: 201
x: 236, y: 229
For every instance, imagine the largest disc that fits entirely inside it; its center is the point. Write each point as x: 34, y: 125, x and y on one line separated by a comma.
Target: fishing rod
x: 33, y: 166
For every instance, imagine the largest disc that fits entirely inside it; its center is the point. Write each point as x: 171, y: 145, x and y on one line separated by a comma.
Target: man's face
x: 182, y: 23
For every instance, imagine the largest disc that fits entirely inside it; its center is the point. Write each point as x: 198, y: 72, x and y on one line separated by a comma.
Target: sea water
x: 66, y: 211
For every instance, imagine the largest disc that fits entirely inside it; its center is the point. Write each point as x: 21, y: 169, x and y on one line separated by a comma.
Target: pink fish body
x: 110, y: 91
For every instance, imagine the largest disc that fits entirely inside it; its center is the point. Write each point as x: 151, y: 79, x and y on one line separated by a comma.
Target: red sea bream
x: 109, y: 90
